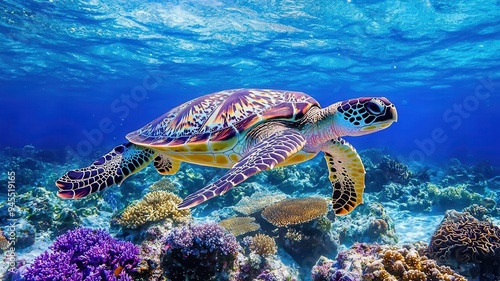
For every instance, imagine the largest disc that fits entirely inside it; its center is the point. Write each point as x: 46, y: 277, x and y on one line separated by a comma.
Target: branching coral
x: 295, y: 211
x: 463, y: 238
x: 85, y: 254
x: 262, y: 244
x: 154, y: 206
x: 239, y: 225
x: 382, y: 263
x: 199, y: 252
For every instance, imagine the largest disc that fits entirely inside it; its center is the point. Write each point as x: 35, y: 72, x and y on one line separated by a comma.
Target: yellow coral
x: 295, y: 211
x: 155, y: 206
x: 390, y: 257
x: 263, y: 245
x: 414, y: 275
x: 413, y: 260
x: 239, y: 225
x: 384, y: 275
x: 4, y: 242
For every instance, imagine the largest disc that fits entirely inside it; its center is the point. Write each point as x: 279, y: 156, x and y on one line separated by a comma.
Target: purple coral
x: 204, y: 238
x: 87, y: 254
x: 199, y: 252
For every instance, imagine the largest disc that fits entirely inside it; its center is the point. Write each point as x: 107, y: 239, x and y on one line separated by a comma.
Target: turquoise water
x: 77, y: 76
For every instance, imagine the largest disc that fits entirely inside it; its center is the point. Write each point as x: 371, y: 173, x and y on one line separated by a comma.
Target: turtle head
x: 361, y: 116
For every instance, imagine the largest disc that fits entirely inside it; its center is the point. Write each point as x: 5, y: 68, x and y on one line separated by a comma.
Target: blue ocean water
x: 77, y: 75
x: 68, y: 65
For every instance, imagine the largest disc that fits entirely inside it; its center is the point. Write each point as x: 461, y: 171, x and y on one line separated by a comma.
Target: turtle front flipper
x: 266, y: 154
x: 347, y: 175
x: 114, y: 167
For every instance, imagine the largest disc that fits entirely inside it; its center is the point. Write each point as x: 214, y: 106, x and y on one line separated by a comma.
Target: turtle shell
x: 220, y: 118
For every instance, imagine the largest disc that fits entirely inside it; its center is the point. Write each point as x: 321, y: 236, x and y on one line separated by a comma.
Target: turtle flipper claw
x: 123, y: 161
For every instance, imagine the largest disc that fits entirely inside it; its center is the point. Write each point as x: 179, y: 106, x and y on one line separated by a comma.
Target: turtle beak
x: 394, y: 113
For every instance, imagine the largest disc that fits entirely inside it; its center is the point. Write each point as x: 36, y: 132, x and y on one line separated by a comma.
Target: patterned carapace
x: 219, y: 116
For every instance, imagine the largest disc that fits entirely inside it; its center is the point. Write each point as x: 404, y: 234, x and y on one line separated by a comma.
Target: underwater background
x: 77, y: 76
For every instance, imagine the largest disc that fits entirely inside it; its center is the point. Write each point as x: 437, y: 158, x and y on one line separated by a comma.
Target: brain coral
x: 463, y: 238
x: 239, y: 225
x: 154, y: 206
x: 295, y: 211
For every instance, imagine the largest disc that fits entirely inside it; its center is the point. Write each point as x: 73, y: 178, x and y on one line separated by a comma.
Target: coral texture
x: 263, y: 244
x: 199, y: 252
x: 382, y: 263
x: 369, y: 224
x: 462, y: 239
x: 164, y: 184
x: 295, y: 211
x: 4, y: 242
x: 87, y: 254
x: 239, y: 225
x: 465, y: 238
x: 155, y: 206
x: 258, y: 201
x: 263, y: 268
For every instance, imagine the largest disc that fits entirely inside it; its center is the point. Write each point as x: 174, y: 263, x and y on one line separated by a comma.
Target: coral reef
x: 239, y: 225
x: 395, y: 171
x: 422, y: 197
x: 369, y: 224
x: 462, y: 239
x: 164, y: 184
x: 4, y: 242
x: 262, y: 244
x: 479, y: 212
x: 199, y: 252
x: 381, y: 263
x: 155, y: 206
x: 87, y: 254
x: 257, y: 202
x: 40, y: 212
x: 254, y: 267
x: 276, y: 175
x: 295, y: 211
x: 457, y: 196
x: 387, y: 171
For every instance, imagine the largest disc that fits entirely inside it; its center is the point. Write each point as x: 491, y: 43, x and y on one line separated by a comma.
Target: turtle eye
x: 375, y: 107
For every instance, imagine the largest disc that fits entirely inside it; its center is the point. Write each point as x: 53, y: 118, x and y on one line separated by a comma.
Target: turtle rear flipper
x: 112, y: 168
x: 269, y: 152
x: 347, y: 175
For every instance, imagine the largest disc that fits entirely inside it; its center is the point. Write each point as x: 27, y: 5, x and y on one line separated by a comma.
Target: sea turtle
x: 246, y: 131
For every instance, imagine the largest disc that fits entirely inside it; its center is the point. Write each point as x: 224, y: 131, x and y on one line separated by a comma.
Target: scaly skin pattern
x: 211, y: 130
x: 112, y: 168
